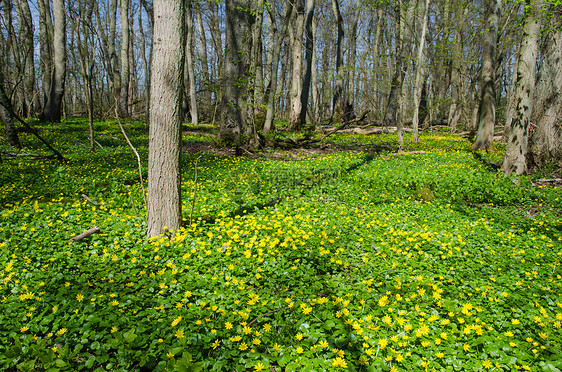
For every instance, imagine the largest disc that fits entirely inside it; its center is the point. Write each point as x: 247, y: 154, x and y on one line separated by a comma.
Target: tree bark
x: 296, y: 58
x: 309, y: 51
x: 487, y: 108
x: 46, y: 47
x: 516, y: 149
x: 125, y: 67
x: 236, y: 128
x: 29, y: 98
x: 419, y: 72
x: 268, y: 125
x: 546, y: 142
x: 52, y: 111
x: 338, y: 86
x: 189, y: 64
x: 164, y: 151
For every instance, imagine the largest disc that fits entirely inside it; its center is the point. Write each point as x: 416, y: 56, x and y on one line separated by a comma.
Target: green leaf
x: 130, y: 336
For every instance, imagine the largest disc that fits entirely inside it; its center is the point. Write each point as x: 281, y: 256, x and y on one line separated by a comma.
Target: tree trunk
x: 296, y: 58
x: 353, y: 53
x: 46, y: 47
x: 516, y: 149
x: 546, y: 142
x: 487, y: 108
x: 52, y: 111
x: 189, y: 64
x: 309, y: 50
x: 208, y: 93
x: 29, y: 99
x: 11, y: 132
x: 236, y: 128
x: 164, y: 150
x: 419, y: 72
x: 275, y: 67
x: 338, y: 86
x: 125, y: 68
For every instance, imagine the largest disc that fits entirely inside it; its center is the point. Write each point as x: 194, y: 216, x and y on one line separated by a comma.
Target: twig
x: 194, y: 192
x: 269, y: 312
x: 88, y: 199
x: 134, y: 207
x: 136, y: 153
x: 85, y: 234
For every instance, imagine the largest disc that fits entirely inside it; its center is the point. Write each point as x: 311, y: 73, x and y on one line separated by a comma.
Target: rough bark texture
x: 29, y: 98
x: 268, y: 125
x: 53, y: 107
x: 164, y: 151
x: 516, y: 149
x: 296, y: 80
x: 235, y: 128
x: 189, y: 64
x: 125, y: 68
x: 309, y: 50
x: 419, y: 71
x: 46, y: 46
x: 546, y: 141
x: 487, y: 108
x: 338, y: 99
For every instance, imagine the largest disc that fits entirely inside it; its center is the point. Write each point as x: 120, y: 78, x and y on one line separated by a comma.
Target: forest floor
x: 345, y: 256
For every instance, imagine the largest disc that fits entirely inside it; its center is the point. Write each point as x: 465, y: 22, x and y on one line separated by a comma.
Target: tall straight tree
x: 487, y: 108
x: 296, y: 57
x: 29, y: 99
x: 309, y: 50
x: 125, y: 67
x: 53, y: 107
x: 516, y: 149
x: 237, y: 127
x: 166, y: 89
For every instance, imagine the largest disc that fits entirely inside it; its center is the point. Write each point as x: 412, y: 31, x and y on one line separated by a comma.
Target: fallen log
x: 85, y: 234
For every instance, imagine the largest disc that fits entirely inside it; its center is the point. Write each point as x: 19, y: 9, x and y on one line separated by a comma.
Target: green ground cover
x: 358, y: 260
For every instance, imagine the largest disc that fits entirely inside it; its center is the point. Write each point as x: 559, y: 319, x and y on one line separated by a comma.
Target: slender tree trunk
x: 11, y: 132
x: 487, y: 109
x: 546, y: 141
x: 125, y: 68
x: 309, y: 50
x: 46, y: 47
x: 296, y: 58
x: 146, y: 66
x: 207, y: 96
x: 516, y: 149
x: 189, y: 63
x: 53, y: 108
x: 419, y: 72
x: 236, y: 129
x: 256, y: 63
x: 353, y: 53
x: 314, y: 75
x: 29, y: 103
x: 164, y: 150
x: 338, y: 86
x: 268, y: 125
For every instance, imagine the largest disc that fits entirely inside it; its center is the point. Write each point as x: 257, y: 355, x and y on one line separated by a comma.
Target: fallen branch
x: 269, y: 312
x: 88, y: 199
x: 85, y: 234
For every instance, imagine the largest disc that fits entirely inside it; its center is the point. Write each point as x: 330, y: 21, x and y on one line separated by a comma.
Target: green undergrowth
x: 357, y: 260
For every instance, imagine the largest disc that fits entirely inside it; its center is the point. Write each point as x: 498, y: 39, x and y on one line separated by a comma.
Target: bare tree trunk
x: 353, y: 53
x: 164, y: 157
x: 516, y: 149
x: 419, y: 72
x: 114, y: 74
x: 52, y: 111
x: 256, y: 63
x: 338, y: 86
x: 125, y: 68
x: 309, y: 49
x: 274, y: 68
x: 29, y: 102
x: 314, y: 74
x: 207, y: 101
x: 296, y: 58
x: 46, y: 47
x: 11, y: 132
x: 236, y: 128
x: 146, y: 66
x: 487, y: 108
x: 546, y: 142
x: 189, y: 65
